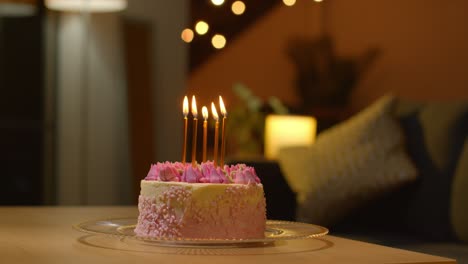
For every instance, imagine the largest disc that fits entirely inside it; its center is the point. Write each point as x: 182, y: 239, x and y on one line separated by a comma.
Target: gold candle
x: 195, y: 127
x: 185, y: 110
x: 205, y: 130
x: 216, y: 118
x: 223, y: 130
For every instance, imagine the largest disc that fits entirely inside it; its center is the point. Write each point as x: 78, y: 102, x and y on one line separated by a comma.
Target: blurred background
x: 91, y: 91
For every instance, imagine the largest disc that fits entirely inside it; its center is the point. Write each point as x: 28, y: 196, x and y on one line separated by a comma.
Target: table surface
x: 45, y: 235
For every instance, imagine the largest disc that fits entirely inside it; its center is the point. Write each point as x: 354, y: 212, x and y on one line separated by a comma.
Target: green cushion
x: 459, y: 199
x: 434, y: 141
x: 438, y: 121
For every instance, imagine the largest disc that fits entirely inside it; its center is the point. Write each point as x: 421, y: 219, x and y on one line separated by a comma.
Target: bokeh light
x: 289, y: 2
x: 187, y: 35
x: 217, y: 2
x: 201, y: 27
x: 218, y: 41
x: 238, y: 7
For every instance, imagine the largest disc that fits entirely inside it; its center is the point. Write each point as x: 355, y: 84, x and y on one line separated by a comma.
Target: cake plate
x: 275, y: 231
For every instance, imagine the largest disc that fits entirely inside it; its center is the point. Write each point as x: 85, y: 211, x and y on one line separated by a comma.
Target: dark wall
x: 21, y: 110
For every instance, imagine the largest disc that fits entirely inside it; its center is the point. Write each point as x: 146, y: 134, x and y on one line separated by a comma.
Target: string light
x: 218, y: 41
x: 289, y: 2
x: 238, y: 7
x: 187, y: 35
x: 217, y: 2
x: 201, y: 27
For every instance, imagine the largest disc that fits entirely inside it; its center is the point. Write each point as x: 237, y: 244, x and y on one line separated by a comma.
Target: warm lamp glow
x: 217, y: 2
x: 289, y: 2
x: 238, y: 7
x: 201, y: 27
x: 187, y: 35
x: 86, y: 5
x: 318, y: 1
x: 218, y: 41
x: 287, y: 131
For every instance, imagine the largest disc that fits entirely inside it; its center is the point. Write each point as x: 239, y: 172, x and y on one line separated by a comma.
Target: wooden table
x: 45, y: 235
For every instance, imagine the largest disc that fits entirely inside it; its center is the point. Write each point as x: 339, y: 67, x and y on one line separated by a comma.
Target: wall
x: 424, y: 45
x: 257, y: 56
x: 168, y: 19
x: 92, y: 140
x: 105, y: 177
x: 21, y: 115
x: 169, y: 63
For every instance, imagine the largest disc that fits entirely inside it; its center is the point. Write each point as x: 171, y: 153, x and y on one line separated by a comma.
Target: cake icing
x: 202, y: 201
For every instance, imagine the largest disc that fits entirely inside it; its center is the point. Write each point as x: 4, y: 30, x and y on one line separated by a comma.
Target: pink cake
x: 181, y: 201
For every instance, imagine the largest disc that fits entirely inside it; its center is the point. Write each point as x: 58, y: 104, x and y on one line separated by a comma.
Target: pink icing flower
x: 180, y: 167
x: 191, y: 174
x: 168, y: 172
x: 213, y: 174
x: 218, y: 176
x: 152, y: 173
x: 163, y: 172
x: 204, y: 173
x: 243, y: 174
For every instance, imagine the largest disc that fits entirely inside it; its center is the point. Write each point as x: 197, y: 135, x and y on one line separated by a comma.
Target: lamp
x: 18, y: 7
x: 288, y: 130
x: 76, y: 23
x: 87, y: 5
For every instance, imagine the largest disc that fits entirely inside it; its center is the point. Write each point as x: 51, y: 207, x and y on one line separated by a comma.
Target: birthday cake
x: 203, y: 201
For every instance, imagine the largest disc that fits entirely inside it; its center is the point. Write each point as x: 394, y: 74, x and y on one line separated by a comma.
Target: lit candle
x: 223, y: 130
x: 195, y: 126
x: 185, y: 110
x: 205, y: 130
x: 216, y: 118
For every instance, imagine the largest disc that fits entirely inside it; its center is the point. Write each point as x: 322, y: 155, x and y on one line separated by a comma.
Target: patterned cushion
x: 349, y: 164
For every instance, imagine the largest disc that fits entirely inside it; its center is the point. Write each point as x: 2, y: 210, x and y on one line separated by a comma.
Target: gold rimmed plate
x: 275, y: 231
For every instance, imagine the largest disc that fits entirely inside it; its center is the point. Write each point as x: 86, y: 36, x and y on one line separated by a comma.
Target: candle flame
x: 221, y: 107
x: 204, y: 112
x: 185, y: 107
x: 214, y: 112
x: 194, y: 107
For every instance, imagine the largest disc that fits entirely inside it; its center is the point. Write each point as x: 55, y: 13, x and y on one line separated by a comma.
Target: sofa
x: 406, y: 189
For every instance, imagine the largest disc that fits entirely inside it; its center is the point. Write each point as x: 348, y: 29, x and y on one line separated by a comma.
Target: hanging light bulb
x: 218, y: 41
x: 217, y: 2
x: 289, y: 2
x: 187, y: 35
x: 238, y: 7
x: 201, y: 27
